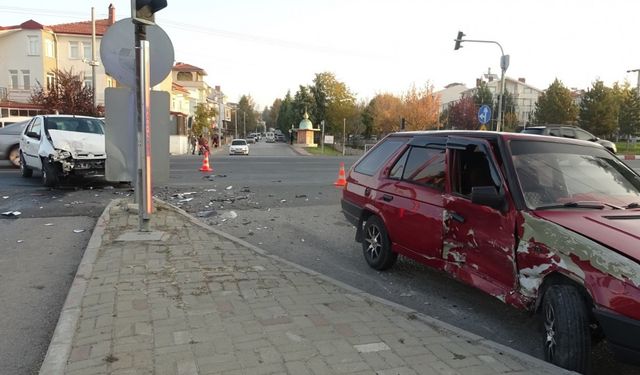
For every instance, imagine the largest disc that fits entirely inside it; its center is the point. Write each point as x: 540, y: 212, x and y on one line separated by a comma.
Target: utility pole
x: 344, y: 135
x: 94, y: 59
x: 322, y: 136
x: 236, y: 120
x: 244, y: 124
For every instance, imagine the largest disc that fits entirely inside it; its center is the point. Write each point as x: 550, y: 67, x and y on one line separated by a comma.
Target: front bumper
x: 238, y: 152
x: 623, y: 334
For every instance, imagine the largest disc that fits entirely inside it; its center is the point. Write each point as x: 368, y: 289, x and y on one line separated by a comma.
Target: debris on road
x: 19, y: 241
x: 228, y: 187
x: 301, y: 196
x: 245, y: 189
x: 207, y: 213
x: 78, y: 230
x: 211, y: 190
x: 185, y: 200
x: 11, y: 213
x: 228, y: 215
x: 283, y: 200
x: 48, y: 224
x: 5, y: 197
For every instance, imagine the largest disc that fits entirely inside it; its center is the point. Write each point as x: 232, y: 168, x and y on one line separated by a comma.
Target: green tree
x: 509, y: 117
x: 367, y: 117
x: 599, y: 110
x: 333, y: 102
x: 203, y: 119
x: 482, y: 95
x: 629, y: 115
x: 247, y: 116
x: 68, y: 95
x: 274, y: 110
x: 304, y: 101
x: 555, y: 105
x: 286, y: 115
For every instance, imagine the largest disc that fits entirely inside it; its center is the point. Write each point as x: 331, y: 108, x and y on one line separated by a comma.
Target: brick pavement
x: 202, y: 302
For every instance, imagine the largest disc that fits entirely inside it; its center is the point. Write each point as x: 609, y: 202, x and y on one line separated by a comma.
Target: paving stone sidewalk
x: 199, y: 301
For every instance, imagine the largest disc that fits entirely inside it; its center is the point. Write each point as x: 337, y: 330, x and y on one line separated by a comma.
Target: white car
x: 62, y: 146
x: 239, y: 147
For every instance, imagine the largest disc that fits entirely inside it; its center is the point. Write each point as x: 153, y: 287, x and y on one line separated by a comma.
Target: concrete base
x: 142, y: 236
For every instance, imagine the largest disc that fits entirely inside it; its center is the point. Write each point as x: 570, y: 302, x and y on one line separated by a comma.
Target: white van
x: 271, y: 137
x: 4, y: 121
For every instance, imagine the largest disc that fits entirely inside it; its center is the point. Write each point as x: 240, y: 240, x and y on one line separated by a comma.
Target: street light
x: 636, y: 71
x: 504, y: 64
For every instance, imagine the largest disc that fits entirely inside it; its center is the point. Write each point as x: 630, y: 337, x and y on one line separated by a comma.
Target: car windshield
x: 533, y: 131
x: 238, y: 142
x: 557, y: 174
x: 75, y: 124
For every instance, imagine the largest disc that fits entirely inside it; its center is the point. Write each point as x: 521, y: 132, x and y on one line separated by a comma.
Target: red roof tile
x: 81, y: 28
x: 182, y: 67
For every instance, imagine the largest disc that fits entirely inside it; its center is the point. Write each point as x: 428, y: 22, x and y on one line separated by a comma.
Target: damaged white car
x: 61, y: 146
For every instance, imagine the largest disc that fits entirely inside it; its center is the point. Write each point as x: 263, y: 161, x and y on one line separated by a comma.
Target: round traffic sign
x: 484, y: 114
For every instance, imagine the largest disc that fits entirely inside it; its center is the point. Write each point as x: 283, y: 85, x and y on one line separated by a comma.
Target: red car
x: 546, y: 224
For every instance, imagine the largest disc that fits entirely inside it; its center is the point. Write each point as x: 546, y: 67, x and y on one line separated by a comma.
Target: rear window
x: 74, y: 124
x: 375, y: 158
x: 239, y: 142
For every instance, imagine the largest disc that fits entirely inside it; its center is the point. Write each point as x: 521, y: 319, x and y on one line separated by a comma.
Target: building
x: 30, y: 52
x: 450, y: 94
x: 525, y: 97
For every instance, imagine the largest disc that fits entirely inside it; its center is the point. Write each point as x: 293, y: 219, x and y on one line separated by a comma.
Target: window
x: 74, y: 52
x: 13, y: 74
x: 472, y: 170
x: 35, y: 127
x: 185, y: 76
x: 568, y: 133
x: 51, y: 81
x: 375, y: 158
x: 425, y: 166
x: 48, y: 48
x: 86, y: 50
x: 555, y: 132
x: 398, y: 167
x: 583, y: 135
x: 33, y: 45
x: 26, y: 79
x: 88, y: 82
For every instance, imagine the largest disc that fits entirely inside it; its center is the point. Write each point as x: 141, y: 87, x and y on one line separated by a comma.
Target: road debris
x: 12, y: 213
x: 245, y: 189
x: 108, y: 187
x: 228, y: 215
x: 283, y: 200
x: 48, y: 224
x: 5, y: 197
x: 207, y: 213
x: 185, y: 200
x: 211, y: 190
x: 301, y: 196
x: 19, y: 241
x: 78, y: 230
x: 228, y: 187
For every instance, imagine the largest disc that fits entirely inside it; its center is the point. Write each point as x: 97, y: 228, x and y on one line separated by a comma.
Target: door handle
x: 456, y: 216
x: 387, y: 197
x: 367, y: 192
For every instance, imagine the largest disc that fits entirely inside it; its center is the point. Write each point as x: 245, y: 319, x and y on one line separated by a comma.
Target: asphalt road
x: 273, y: 198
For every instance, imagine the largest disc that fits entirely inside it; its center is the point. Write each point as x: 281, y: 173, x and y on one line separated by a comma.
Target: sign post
x: 484, y: 115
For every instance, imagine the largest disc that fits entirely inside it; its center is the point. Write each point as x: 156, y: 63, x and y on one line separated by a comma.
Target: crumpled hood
x: 80, y: 145
x: 617, y: 229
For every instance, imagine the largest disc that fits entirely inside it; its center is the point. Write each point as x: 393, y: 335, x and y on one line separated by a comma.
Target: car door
x: 412, y: 197
x: 30, y: 143
x: 478, y: 241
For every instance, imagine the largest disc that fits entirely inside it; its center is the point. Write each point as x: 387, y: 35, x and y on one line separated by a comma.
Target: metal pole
x: 499, y: 124
x: 322, y: 137
x: 93, y: 57
x: 220, y: 114
x: 344, y: 135
x: 143, y: 185
x: 244, y: 124
x: 236, y: 119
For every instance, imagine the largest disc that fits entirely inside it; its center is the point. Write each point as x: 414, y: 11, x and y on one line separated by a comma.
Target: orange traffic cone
x: 205, y: 163
x: 341, y: 181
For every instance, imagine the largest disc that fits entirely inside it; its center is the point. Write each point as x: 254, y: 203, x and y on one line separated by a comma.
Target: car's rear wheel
x: 25, y: 171
x: 567, y: 337
x: 14, y: 156
x: 376, y: 246
x: 49, y: 174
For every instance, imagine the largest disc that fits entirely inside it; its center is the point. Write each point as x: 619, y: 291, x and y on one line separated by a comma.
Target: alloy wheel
x: 550, y: 332
x: 373, y: 239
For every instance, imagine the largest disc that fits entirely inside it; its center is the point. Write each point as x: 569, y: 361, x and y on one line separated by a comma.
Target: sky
x: 265, y: 48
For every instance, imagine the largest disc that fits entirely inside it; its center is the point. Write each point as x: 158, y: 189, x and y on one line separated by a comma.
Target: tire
x: 14, y: 156
x: 376, y: 246
x: 25, y: 171
x: 49, y: 174
x: 567, y: 336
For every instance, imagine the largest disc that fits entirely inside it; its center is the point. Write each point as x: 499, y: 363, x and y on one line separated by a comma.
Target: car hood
x: 79, y: 144
x: 619, y: 230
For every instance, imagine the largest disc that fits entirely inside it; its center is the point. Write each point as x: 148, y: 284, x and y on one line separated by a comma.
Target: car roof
x: 494, y: 136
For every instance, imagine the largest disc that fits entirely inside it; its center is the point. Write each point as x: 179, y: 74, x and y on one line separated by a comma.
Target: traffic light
x: 144, y: 10
x: 458, y: 41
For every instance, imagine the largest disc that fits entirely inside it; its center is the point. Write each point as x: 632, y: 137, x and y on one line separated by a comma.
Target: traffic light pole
x: 504, y: 64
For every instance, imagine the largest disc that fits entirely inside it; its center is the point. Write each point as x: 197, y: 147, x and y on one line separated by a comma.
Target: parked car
x: 62, y: 146
x: 545, y: 224
x: 568, y: 131
x: 250, y: 139
x: 239, y: 146
x: 10, y: 142
x: 280, y: 138
x: 5, y: 121
x: 270, y: 137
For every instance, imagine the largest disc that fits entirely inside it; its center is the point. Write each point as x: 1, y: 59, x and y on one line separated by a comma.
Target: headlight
x: 62, y: 154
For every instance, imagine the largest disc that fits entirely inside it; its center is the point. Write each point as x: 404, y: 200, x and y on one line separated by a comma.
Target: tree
x: 482, y: 95
x: 509, y: 117
x: 420, y: 108
x: 599, y: 110
x: 68, y: 95
x: 555, y: 105
x: 203, y: 119
x: 247, y: 116
x: 387, y: 110
x: 629, y: 115
x: 304, y: 101
x: 463, y: 114
x: 333, y: 102
x: 286, y: 115
x: 367, y: 117
x: 274, y: 110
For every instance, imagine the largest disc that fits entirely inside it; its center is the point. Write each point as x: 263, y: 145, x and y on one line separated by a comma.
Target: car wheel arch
x: 559, y: 278
x: 366, y: 213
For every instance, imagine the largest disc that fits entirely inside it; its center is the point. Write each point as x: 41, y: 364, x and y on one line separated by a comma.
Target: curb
x: 630, y: 157
x: 435, y: 323
x: 55, y: 361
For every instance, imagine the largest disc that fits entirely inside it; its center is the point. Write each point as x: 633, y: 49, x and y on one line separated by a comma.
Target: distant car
x: 10, y: 142
x: 250, y: 139
x: 239, y: 147
x: 270, y: 137
x: 62, y: 146
x: 568, y: 131
x: 5, y: 121
x: 280, y: 138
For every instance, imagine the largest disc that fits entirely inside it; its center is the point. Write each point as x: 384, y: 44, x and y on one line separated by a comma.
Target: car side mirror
x: 489, y: 196
x: 33, y: 135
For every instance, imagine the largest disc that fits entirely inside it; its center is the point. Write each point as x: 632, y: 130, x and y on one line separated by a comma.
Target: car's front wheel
x: 567, y: 336
x: 14, y: 156
x: 376, y: 246
x: 25, y: 171
x: 49, y: 174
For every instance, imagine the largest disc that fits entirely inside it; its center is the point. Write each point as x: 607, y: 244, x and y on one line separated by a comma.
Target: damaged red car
x: 546, y: 224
